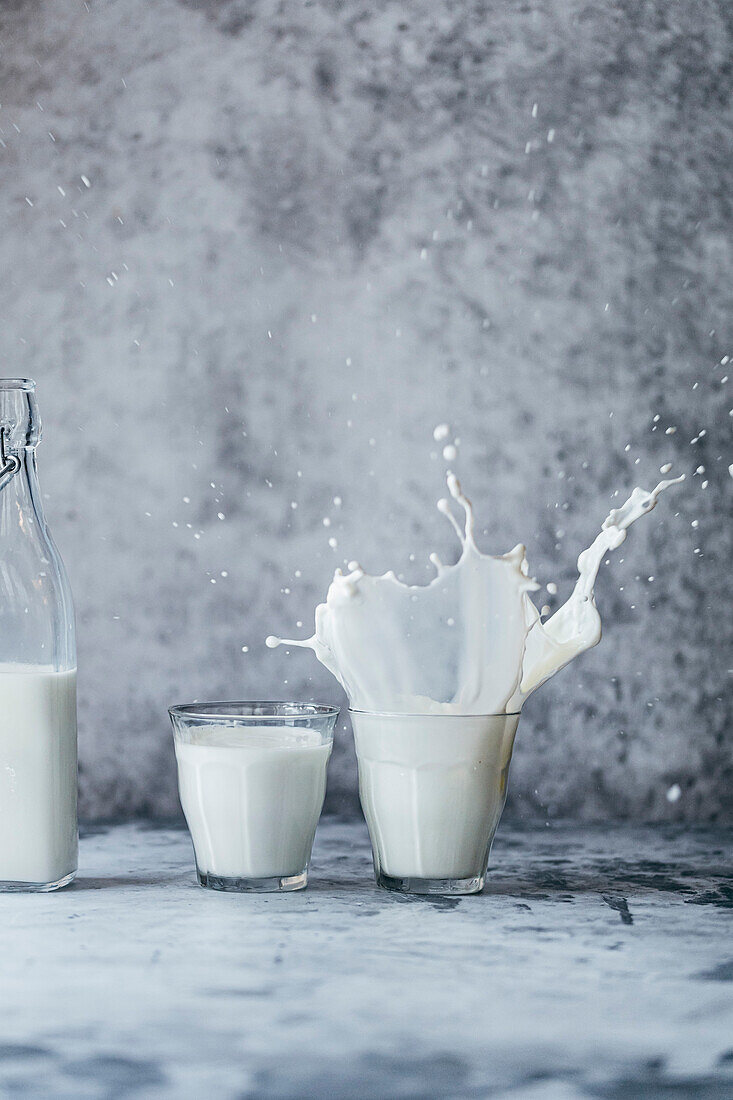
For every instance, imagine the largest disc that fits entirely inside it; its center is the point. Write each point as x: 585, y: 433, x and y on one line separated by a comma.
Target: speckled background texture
x: 254, y: 251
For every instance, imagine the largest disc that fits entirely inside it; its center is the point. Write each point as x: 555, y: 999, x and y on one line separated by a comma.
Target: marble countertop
x: 598, y: 962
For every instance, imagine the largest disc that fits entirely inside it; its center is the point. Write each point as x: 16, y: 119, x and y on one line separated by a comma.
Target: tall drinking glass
x: 432, y: 787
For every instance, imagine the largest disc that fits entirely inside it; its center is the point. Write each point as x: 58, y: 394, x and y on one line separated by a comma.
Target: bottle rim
x: 27, y: 385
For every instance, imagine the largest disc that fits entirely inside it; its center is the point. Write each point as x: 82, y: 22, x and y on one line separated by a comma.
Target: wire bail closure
x: 9, y: 463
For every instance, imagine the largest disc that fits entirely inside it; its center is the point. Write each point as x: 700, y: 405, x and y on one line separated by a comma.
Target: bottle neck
x: 20, y: 492
x: 20, y: 431
x: 20, y: 423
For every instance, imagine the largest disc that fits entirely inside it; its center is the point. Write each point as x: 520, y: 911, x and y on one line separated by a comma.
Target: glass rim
x: 432, y: 714
x: 25, y: 384
x: 242, y: 711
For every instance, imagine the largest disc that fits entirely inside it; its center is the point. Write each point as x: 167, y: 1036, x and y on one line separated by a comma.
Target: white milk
x: 471, y: 641
x: 252, y: 799
x: 38, y: 832
x: 433, y: 790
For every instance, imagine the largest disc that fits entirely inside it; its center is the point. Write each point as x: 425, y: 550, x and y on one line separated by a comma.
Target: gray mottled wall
x: 254, y: 251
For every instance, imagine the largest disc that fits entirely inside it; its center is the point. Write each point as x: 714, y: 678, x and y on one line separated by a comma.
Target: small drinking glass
x: 252, y: 778
x: 432, y: 787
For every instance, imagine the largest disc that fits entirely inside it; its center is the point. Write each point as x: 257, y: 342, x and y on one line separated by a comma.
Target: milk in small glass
x: 252, y: 779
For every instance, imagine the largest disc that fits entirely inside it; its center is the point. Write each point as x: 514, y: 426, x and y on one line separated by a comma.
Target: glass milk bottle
x: 38, y: 830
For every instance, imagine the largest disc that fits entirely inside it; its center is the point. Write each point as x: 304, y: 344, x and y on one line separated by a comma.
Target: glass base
x: 253, y: 885
x: 449, y: 886
x: 36, y: 887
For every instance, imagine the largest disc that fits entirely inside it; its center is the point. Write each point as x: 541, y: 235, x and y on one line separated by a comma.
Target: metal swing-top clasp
x: 9, y: 463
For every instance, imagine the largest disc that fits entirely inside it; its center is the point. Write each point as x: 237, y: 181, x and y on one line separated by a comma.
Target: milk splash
x: 469, y: 642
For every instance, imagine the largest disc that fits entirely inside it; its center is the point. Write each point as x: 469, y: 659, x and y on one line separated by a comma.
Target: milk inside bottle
x: 38, y: 824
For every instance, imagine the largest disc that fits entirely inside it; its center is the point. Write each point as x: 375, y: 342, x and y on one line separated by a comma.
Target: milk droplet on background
x: 450, y: 453
x: 442, y: 431
x: 674, y: 793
